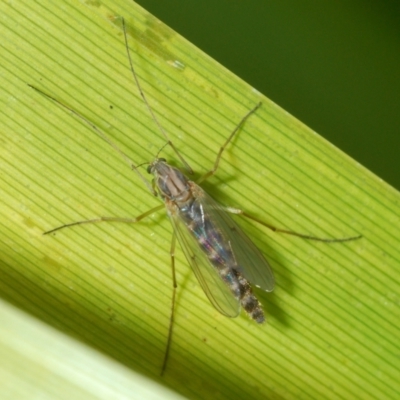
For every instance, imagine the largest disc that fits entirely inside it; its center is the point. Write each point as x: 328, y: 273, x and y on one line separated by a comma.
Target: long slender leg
x: 280, y: 230
x: 171, y: 320
x: 108, y: 219
x: 221, y: 150
x: 99, y: 132
x: 142, y: 94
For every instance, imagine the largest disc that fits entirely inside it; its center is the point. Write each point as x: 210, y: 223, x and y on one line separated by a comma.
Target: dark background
x: 335, y: 65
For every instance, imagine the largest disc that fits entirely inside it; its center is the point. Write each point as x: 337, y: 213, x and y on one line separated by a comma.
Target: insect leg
x: 99, y: 132
x: 153, y: 115
x: 221, y: 150
x: 174, y: 286
x: 108, y: 219
x: 280, y: 230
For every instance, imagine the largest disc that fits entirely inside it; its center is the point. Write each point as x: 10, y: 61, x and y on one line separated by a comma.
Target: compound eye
x: 149, y: 169
x: 162, y: 160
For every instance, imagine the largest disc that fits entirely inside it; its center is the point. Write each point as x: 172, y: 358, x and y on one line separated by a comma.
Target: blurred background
x: 335, y: 65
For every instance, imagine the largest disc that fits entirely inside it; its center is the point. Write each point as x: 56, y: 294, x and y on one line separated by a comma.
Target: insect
x: 225, y: 261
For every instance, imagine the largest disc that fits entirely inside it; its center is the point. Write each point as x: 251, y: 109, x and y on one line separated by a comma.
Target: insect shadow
x: 223, y: 258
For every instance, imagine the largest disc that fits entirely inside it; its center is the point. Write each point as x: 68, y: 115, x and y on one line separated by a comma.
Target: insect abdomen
x: 220, y: 254
x: 249, y: 301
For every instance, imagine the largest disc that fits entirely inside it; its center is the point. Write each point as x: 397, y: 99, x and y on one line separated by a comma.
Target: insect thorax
x: 170, y: 182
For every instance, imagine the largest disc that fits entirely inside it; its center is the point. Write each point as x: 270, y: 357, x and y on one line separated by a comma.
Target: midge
x: 224, y: 260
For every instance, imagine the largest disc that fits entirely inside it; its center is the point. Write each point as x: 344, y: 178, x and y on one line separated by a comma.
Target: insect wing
x: 217, y: 291
x: 249, y: 260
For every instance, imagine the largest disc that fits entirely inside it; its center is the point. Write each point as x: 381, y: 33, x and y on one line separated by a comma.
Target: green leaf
x: 333, y: 320
x: 40, y: 362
